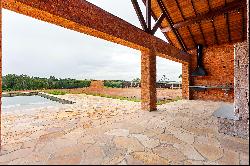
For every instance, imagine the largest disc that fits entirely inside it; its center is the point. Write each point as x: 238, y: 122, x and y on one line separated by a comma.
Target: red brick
x: 148, y: 81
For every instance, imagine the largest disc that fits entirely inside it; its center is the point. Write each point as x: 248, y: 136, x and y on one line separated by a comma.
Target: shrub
x: 113, y: 84
x: 57, y: 92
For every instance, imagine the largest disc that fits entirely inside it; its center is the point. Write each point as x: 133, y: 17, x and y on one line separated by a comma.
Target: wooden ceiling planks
x: 171, y: 22
x: 208, y: 30
x: 220, y: 24
x: 235, y: 24
x: 229, y: 27
x: 197, y: 33
x: 156, y: 13
x: 190, y: 41
x: 244, y: 23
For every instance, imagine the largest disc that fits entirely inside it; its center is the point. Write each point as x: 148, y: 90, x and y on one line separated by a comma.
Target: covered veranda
x: 179, y: 133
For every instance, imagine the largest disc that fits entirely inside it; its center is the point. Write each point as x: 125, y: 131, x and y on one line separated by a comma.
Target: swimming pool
x: 26, y: 102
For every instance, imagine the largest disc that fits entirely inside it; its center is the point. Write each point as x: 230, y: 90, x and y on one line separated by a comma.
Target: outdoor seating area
x: 208, y: 126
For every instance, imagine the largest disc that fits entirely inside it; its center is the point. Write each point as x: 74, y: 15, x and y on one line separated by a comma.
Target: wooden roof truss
x: 186, y: 23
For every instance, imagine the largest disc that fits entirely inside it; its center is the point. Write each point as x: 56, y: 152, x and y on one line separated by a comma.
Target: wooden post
x: 148, y: 81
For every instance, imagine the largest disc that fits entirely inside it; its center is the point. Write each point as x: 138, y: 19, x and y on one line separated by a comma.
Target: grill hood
x: 199, y: 71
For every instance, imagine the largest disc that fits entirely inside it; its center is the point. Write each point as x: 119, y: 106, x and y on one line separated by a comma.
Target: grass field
x: 131, y: 94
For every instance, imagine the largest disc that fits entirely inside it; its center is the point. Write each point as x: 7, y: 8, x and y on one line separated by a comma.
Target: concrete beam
x: 84, y: 17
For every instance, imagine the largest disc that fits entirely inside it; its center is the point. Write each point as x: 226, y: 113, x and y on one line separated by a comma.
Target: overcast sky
x: 41, y: 49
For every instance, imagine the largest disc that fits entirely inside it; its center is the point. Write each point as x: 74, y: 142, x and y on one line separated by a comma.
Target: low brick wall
x: 96, y: 85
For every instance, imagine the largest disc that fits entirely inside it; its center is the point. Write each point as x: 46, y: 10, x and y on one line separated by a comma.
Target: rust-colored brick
x: 96, y: 85
x: 148, y: 81
x: 219, y: 64
x: 185, y: 81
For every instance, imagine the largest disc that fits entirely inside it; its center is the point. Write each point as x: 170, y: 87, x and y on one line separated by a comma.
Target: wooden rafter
x: 170, y: 21
x: 139, y: 14
x: 214, y: 29
x: 243, y: 23
x: 203, y: 36
x: 155, y: 18
x: 228, y: 26
x: 209, y: 15
x: 146, y: 25
x: 148, y: 14
x: 184, y: 18
x: 157, y: 24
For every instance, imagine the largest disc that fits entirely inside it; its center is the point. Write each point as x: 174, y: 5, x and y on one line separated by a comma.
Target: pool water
x: 25, y: 102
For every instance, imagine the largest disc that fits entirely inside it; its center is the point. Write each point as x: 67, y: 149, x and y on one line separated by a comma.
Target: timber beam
x: 84, y: 17
x: 146, y: 25
x: 171, y: 23
x: 156, y: 20
x: 140, y: 15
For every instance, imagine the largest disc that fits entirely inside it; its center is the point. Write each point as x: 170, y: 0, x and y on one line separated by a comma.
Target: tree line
x: 13, y: 82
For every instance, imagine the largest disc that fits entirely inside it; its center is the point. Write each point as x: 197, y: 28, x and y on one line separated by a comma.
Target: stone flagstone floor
x: 99, y: 130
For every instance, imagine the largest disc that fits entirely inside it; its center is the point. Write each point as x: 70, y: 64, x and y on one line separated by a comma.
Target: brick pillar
x: 148, y: 81
x: 241, y: 88
x: 185, y: 81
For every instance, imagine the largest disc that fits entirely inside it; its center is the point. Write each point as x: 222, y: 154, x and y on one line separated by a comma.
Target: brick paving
x: 99, y: 130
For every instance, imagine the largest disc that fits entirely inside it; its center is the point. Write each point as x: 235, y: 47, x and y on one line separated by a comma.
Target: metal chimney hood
x: 199, y: 71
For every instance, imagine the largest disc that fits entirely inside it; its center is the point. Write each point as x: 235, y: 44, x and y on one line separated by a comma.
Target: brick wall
x: 219, y: 64
x: 96, y: 85
x: 241, y: 91
x: 148, y: 81
x: 241, y: 80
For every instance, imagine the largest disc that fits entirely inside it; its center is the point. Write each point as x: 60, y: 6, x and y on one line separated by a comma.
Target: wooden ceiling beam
x: 184, y: 18
x: 203, y: 36
x: 157, y: 24
x: 155, y: 18
x: 140, y: 15
x: 228, y: 27
x: 84, y: 17
x: 214, y: 29
x: 243, y: 23
x: 171, y: 23
x: 148, y: 14
x: 209, y: 15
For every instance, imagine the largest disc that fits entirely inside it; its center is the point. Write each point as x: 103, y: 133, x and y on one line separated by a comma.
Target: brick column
x: 185, y: 81
x: 241, y: 88
x: 148, y: 81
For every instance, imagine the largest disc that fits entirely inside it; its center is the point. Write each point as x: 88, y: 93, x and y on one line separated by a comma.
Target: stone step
x: 226, y: 111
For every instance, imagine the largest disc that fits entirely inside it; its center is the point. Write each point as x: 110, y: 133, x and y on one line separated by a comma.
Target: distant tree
x: 138, y: 80
x: 12, y: 82
x: 164, y: 79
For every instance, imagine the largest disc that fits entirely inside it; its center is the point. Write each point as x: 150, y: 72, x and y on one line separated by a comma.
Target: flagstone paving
x: 98, y: 130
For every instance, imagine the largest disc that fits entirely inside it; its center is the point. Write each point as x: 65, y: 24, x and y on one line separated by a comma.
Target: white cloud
x: 38, y: 48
